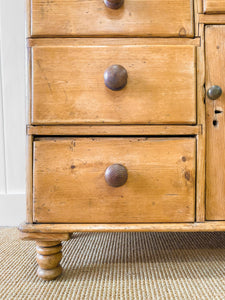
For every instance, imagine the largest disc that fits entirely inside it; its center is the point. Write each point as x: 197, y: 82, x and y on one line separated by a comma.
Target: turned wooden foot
x: 49, y: 255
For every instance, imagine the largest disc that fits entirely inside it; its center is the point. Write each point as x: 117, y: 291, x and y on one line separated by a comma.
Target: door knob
x: 214, y: 92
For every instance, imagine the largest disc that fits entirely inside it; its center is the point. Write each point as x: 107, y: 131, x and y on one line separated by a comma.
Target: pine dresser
x: 126, y: 123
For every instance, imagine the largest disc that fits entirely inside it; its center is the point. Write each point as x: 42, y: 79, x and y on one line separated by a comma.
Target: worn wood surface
x: 199, y: 6
x: 48, y: 259
x: 79, y: 130
x: 69, y: 183
x: 44, y: 237
x: 214, y: 6
x: 151, y: 227
x: 215, y: 124
x: 134, y: 18
x: 59, y: 42
x: 29, y: 179
x: 200, y: 167
x: 212, y: 19
x: 68, y: 85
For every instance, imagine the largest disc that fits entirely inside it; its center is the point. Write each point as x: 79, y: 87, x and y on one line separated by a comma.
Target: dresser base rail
x: 34, y: 230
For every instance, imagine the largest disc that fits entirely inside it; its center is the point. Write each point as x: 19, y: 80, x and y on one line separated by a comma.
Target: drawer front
x: 70, y: 185
x: 214, y: 6
x: 93, y: 17
x: 69, y: 88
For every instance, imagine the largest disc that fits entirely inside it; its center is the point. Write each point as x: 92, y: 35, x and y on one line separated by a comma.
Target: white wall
x: 12, y: 112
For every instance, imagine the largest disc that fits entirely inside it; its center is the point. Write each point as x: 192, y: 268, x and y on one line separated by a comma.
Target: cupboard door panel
x: 215, y: 122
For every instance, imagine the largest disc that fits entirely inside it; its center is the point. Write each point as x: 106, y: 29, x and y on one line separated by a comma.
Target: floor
x: 119, y: 266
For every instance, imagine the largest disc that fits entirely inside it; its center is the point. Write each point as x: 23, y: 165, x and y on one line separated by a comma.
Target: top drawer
x: 160, y: 18
x: 214, y: 6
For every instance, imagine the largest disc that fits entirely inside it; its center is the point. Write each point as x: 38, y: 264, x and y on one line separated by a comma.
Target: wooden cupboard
x: 125, y: 128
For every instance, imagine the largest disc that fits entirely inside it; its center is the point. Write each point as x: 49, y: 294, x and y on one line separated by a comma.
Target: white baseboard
x: 12, y: 209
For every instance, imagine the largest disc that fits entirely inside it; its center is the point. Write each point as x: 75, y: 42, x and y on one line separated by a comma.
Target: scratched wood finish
x: 215, y: 141
x: 68, y: 84
x: 69, y: 183
x: 91, y: 17
x: 214, y: 6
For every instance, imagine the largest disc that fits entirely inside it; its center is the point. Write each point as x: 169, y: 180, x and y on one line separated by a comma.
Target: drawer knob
x: 116, y: 175
x: 115, y: 77
x: 214, y: 92
x: 114, y: 4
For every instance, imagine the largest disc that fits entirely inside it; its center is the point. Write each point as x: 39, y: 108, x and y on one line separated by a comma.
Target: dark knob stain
x: 187, y: 175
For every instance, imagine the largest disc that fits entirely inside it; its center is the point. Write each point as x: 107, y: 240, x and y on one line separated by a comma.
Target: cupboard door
x: 215, y: 141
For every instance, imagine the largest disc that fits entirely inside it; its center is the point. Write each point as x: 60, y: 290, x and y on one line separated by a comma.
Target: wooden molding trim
x: 82, y: 42
x: 78, y: 130
x: 49, y: 229
x: 212, y: 19
x: 39, y: 236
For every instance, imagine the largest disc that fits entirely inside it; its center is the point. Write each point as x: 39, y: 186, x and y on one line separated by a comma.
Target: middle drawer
x: 68, y: 83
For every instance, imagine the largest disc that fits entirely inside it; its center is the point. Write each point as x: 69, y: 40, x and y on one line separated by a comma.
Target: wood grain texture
x: 200, y: 181
x: 93, y: 130
x: 214, y: 6
x: 59, y: 42
x: 44, y: 237
x: 28, y: 18
x: 68, y: 85
x: 48, y: 259
x: 211, y: 19
x: 29, y: 179
x: 135, y: 18
x: 154, y: 227
x: 199, y: 6
x: 215, y: 110
x: 69, y: 184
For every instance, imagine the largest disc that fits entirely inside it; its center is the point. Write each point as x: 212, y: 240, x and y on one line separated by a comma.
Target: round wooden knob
x: 115, y: 77
x: 214, y: 92
x: 116, y: 175
x: 114, y: 4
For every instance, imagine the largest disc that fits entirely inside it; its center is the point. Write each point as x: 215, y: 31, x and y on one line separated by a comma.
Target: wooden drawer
x: 70, y: 186
x: 68, y: 82
x: 214, y: 6
x: 92, y: 17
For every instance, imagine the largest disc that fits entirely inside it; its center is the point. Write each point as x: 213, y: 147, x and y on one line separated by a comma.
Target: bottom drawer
x: 71, y: 184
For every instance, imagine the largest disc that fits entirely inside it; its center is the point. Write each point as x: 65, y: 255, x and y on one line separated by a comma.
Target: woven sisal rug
x: 119, y: 266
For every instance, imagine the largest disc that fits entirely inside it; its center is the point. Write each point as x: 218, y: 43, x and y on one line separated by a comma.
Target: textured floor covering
x: 119, y: 266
